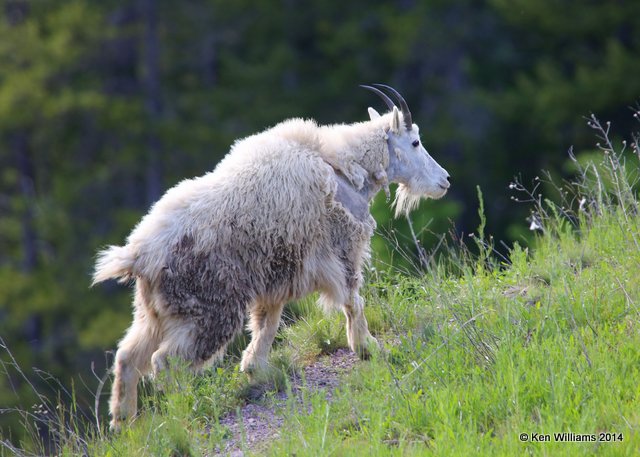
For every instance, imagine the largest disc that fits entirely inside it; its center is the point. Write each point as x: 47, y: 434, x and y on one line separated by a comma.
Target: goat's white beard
x: 405, y: 201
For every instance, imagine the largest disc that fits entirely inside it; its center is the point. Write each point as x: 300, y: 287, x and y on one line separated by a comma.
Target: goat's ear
x: 373, y: 114
x: 395, y: 120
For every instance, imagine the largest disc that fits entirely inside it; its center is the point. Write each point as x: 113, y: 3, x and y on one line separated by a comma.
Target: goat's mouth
x: 444, y: 185
x: 442, y: 191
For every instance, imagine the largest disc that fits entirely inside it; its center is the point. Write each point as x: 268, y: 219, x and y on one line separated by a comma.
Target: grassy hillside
x: 482, y: 354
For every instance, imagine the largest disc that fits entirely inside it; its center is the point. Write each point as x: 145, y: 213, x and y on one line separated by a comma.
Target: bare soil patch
x: 259, y: 422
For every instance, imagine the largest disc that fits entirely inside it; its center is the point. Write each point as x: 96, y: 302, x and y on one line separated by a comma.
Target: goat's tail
x: 114, y: 262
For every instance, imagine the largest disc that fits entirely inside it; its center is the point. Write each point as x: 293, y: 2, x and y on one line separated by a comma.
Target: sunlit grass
x: 478, y: 351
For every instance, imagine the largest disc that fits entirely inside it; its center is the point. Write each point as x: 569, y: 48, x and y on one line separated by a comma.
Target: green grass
x: 494, y: 353
x: 477, y: 351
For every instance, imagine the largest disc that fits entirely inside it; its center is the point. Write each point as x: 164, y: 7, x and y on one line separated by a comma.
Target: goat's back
x: 270, y: 191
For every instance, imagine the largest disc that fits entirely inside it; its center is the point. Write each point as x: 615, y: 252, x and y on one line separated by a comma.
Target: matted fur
x: 284, y: 214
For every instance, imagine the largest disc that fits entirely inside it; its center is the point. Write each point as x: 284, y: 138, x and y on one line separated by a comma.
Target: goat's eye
x: 416, y: 143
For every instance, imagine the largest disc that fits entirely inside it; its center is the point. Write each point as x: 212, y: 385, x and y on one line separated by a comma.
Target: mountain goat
x: 284, y: 214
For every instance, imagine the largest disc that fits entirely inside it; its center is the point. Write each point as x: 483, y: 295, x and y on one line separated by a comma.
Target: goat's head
x: 410, y: 165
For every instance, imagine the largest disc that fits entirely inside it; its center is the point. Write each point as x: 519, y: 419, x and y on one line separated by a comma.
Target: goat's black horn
x: 406, y: 114
x: 382, y: 95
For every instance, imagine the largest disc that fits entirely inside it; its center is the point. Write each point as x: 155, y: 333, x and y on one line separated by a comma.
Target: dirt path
x: 257, y: 423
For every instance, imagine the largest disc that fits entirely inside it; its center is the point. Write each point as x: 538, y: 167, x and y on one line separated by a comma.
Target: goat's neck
x: 366, y: 145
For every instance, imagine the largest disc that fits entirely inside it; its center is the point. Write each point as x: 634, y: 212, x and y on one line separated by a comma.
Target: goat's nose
x: 449, y: 179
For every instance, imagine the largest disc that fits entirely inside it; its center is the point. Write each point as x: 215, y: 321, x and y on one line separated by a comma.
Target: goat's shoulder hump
x: 297, y: 130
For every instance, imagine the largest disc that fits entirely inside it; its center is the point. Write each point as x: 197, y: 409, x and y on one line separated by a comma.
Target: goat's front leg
x: 263, y: 324
x: 360, y: 339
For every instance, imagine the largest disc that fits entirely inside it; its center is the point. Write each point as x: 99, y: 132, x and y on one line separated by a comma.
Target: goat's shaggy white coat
x: 284, y: 214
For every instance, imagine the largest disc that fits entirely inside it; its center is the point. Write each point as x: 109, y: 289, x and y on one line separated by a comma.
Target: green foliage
x: 544, y: 345
x: 89, y: 140
x: 545, y: 342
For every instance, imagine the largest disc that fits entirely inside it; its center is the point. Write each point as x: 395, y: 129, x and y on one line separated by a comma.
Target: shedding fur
x: 284, y: 214
x: 113, y: 262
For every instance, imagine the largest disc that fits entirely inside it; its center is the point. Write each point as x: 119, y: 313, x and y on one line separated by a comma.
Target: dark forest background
x: 106, y: 104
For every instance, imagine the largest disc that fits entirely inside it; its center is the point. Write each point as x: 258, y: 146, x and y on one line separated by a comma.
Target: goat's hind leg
x: 132, y: 361
x: 199, y: 338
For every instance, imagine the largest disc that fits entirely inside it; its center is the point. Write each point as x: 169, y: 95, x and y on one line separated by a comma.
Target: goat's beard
x: 405, y: 200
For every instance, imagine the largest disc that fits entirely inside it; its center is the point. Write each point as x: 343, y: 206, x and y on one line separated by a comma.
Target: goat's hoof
x: 252, y: 369
x: 115, y: 426
x: 247, y: 367
x: 366, y: 349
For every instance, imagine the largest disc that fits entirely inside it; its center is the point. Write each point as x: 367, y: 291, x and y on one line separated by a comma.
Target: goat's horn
x: 382, y: 95
x: 406, y: 114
